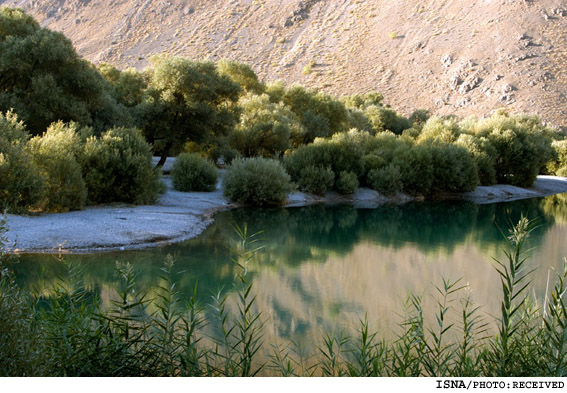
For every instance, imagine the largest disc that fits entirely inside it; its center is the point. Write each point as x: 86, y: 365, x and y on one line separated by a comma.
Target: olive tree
x: 186, y: 101
x: 265, y: 128
x: 43, y: 79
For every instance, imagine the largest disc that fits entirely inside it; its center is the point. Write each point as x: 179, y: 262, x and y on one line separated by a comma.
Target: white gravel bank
x: 179, y: 216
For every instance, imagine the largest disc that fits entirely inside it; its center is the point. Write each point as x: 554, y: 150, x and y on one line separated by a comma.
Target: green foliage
x: 417, y: 169
x: 514, y: 277
x: 363, y: 101
x: 117, y: 168
x: 346, y: 183
x: 276, y: 91
x: 439, y: 129
x: 70, y: 334
x: 242, y: 74
x: 127, y: 87
x: 43, y: 79
x: 191, y: 172
x: 386, y: 180
x: 265, y: 128
x: 186, y: 101
x: 320, y: 114
x: 342, y: 153
x: 373, y: 161
x: 313, y: 155
x: 419, y: 117
x: 56, y: 155
x: 22, y: 184
x: 20, y: 347
x: 222, y: 153
x: 315, y: 179
x: 484, y: 156
x: 315, y: 125
x: 357, y: 119
x: 522, y: 145
x: 453, y: 169
x: 558, y: 166
x: 386, y: 119
x: 346, y: 152
x: 257, y: 182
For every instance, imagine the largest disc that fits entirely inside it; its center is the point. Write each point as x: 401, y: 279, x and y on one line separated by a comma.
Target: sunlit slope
x: 458, y: 56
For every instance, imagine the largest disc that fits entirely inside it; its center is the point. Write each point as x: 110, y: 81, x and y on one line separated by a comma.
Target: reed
x: 65, y: 331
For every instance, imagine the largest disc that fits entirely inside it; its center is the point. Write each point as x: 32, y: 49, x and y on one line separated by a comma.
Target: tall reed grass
x: 68, y: 333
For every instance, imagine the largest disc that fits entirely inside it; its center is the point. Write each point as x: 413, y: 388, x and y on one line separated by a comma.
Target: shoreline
x: 179, y: 216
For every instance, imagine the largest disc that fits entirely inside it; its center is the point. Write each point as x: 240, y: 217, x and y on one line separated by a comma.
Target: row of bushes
x: 443, y: 156
x: 67, y: 168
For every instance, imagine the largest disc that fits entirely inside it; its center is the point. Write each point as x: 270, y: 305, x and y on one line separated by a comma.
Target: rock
x: 507, y: 88
x: 463, y: 102
x: 446, y: 61
x: 507, y: 99
x: 454, y: 82
x: 523, y: 36
x: 303, y: 11
x: 470, y: 83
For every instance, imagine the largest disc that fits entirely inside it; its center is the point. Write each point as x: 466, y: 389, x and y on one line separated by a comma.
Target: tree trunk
x: 164, y: 154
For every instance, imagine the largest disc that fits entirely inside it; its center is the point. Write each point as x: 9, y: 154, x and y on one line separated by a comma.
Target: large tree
x: 186, y: 101
x: 43, y: 79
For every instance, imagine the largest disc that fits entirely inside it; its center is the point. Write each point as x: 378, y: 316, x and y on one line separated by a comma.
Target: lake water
x: 324, y: 268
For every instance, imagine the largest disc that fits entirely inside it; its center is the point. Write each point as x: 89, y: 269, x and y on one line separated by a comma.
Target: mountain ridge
x: 450, y: 57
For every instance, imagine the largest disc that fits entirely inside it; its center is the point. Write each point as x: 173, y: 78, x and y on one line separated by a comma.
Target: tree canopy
x: 186, y: 101
x: 43, y: 79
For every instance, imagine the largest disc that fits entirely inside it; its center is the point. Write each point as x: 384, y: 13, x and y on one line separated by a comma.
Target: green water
x: 324, y: 268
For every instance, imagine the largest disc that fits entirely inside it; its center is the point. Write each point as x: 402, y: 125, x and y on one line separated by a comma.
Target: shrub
x: 558, y: 166
x: 363, y: 101
x: 223, y: 154
x: 346, y: 183
x: 440, y: 129
x: 320, y: 114
x: 257, y: 181
x: 265, y: 128
x: 419, y: 117
x: 522, y: 145
x: 22, y: 184
x: 316, y: 179
x: 346, y: 152
x: 313, y: 155
x: 357, y: 119
x: 191, y: 172
x: 522, y: 153
x: 454, y: 169
x: 385, y: 144
x: 386, y: 119
x: 242, y: 74
x: 484, y: 156
x: 386, y: 180
x: 416, y: 168
x: 314, y: 126
x: 117, y: 167
x: 55, y: 153
x: 343, y: 152
x: 371, y: 162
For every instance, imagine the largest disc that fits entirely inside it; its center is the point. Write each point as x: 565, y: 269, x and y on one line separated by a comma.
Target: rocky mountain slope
x: 449, y: 56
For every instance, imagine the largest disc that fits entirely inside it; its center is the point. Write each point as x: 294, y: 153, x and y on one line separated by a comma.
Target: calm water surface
x: 324, y: 268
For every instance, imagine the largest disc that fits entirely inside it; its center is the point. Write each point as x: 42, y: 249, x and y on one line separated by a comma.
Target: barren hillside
x: 449, y: 56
